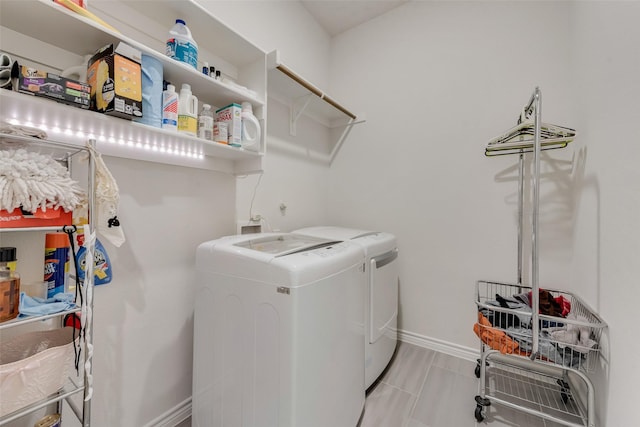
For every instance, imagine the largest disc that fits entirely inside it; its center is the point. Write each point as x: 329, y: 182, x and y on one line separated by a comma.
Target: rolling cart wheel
x: 565, y: 397
x: 479, y: 413
x: 478, y: 370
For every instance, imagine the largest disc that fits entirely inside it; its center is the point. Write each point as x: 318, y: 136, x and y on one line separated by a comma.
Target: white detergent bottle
x: 187, y: 111
x: 170, y: 109
x: 250, y: 128
x: 181, y: 46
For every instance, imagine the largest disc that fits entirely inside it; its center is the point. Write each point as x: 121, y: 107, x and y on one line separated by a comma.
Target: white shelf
x: 18, y: 321
x: 56, y: 25
x: 59, y: 27
x: 68, y: 390
x: 122, y: 138
x: 208, y: 31
x: 286, y: 85
x: 304, y: 98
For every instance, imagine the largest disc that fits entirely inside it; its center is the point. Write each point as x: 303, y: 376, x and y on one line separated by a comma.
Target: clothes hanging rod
x: 302, y: 82
x: 314, y: 90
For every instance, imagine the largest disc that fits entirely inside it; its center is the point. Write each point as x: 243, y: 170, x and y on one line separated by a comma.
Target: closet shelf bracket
x: 297, y: 107
x: 304, y: 98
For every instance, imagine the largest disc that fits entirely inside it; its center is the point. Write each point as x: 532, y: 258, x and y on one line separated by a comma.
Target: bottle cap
x: 206, y: 106
x: 186, y: 86
x: 171, y: 88
x: 7, y: 254
x: 180, y: 21
x: 56, y: 240
x: 246, y: 107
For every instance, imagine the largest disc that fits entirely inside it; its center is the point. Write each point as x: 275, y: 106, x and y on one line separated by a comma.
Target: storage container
x: 33, y: 366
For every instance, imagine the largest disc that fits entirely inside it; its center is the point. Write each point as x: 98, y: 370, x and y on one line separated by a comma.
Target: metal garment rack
x: 516, y: 368
x: 83, y: 382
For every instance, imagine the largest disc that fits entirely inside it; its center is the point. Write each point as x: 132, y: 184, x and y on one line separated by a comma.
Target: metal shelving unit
x: 80, y: 383
x: 525, y: 364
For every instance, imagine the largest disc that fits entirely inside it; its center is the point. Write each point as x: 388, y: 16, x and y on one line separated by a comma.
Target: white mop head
x: 32, y: 180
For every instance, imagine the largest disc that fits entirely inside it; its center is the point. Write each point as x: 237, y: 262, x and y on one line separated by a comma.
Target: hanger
x: 520, y: 138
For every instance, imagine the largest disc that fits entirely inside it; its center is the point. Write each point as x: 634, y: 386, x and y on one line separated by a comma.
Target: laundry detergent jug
x: 250, y: 128
x: 187, y: 111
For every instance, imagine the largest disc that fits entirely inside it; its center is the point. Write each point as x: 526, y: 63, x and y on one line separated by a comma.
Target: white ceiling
x: 336, y: 16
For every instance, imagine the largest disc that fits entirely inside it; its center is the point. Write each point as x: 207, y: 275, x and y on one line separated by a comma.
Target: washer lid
x: 280, y: 259
x: 284, y: 244
x: 330, y: 232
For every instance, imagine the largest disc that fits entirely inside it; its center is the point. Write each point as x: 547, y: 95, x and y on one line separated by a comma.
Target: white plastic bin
x: 33, y: 366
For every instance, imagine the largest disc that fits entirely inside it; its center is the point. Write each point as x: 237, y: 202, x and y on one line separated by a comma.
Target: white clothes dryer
x: 381, y: 292
x: 278, y: 332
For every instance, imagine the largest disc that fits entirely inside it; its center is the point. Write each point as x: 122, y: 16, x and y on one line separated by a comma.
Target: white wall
x: 294, y: 172
x: 437, y: 80
x: 607, y: 238
x: 144, y: 318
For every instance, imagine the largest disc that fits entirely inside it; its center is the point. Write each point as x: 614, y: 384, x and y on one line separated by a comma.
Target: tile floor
x: 425, y: 388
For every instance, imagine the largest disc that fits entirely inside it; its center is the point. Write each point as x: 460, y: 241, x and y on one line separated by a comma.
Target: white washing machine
x: 278, y: 332
x: 381, y: 292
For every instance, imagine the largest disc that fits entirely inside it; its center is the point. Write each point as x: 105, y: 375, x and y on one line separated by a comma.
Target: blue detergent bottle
x: 101, y: 264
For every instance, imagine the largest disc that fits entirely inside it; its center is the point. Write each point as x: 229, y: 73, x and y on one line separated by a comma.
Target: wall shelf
x: 304, y: 98
x: 122, y: 138
x: 56, y: 26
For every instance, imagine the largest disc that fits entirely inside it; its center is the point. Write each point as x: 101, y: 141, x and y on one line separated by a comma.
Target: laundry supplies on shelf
x: 187, y: 111
x: 114, y: 75
x: 232, y: 116
x: 170, y: 109
x: 181, y: 46
x: 9, y: 284
x: 205, y: 123
x: 250, y: 128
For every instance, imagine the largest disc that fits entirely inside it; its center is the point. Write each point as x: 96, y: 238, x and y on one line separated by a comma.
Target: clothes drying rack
x: 530, y: 361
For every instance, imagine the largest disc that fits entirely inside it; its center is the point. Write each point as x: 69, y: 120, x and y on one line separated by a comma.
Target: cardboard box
x: 49, y: 85
x: 232, y: 116
x: 116, y: 81
x: 19, y: 218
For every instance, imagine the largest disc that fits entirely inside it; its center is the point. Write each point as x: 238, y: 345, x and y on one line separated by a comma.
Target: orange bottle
x: 56, y: 262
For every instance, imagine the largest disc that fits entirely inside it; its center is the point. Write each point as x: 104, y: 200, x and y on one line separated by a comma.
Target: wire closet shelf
x: 537, y: 345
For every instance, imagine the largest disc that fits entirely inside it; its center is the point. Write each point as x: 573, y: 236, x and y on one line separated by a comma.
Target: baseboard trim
x: 435, y: 344
x: 173, y: 416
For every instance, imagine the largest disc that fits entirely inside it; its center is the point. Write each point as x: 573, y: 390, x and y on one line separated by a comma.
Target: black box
x: 49, y: 85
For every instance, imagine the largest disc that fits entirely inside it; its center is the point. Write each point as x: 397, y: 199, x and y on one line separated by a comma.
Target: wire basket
x: 570, y: 337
